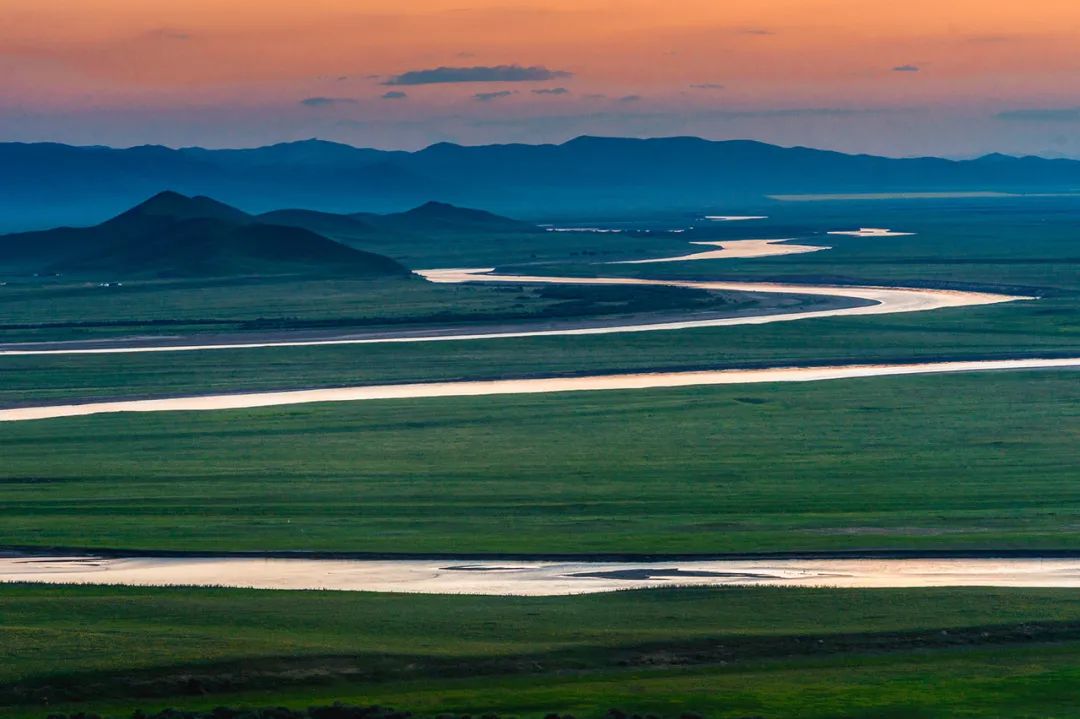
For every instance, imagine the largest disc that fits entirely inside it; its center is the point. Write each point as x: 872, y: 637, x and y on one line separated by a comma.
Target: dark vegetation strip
x: 31, y: 551
x: 334, y: 711
x: 278, y: 672
x: 574, y: 301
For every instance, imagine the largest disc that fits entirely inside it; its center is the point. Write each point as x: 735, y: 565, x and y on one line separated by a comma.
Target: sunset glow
x: 957, y: 78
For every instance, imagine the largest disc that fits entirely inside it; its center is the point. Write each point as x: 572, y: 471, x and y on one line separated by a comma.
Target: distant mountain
x: 442, y: 218
x: 402, y: 231
x: 45, y: 184
x: 171, y: 235
x: 172, y: 206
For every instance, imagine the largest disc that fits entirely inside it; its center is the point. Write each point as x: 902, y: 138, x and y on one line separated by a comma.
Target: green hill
x: 169, y: 205
x: 171, y: 235
x: 441, y: 218
x: 343, y: 227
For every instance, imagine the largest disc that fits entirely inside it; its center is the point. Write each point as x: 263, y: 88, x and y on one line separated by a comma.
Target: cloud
x: 489, y: 96
x: 394, y: 95
x: 496, y: 73
x: 755, y: 31
x: 629, y: 98
x: 906, y: 68
x: 551, y: 91
x: 1058, y: 114
x: 707, y: 86
x: 326, y: 101
x: 596, y: 96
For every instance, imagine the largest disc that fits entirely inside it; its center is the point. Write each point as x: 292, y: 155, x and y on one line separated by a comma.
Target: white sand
x: 524, y: 386
x: 735, y: 218
x: 732, y: 250
x: 887, y: 300
x: 871, y: 232
x: 536, y: 578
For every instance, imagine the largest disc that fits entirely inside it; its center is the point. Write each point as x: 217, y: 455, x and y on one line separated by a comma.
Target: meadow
x: 946, y: 461
x: 718, y: 652
x: 1024, y: 247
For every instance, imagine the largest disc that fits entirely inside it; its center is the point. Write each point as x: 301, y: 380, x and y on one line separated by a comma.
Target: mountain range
x: 46, y: 184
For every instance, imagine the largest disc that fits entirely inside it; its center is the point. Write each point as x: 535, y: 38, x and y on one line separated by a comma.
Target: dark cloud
x: 551, y: 91
x: 707, y: 86
x: 906, y: 68
x: 629, y: 98
x: 496, y: 73
x: 489, y: 96
x: 394, y: 95
x: 596, y: 96
x: 326, y: 101
x: 1058, y: 114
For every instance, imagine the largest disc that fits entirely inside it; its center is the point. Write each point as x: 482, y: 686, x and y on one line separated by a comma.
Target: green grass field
x: 966, y: 460
x: 1019, y: 247
x: 1046, y: 328
x: 48, y: 311
x: 721, y: 652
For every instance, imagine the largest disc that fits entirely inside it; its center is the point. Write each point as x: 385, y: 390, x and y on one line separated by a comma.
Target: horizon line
x: 576, y: 138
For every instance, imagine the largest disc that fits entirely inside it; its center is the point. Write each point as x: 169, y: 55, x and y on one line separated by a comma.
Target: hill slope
x: 440, y: 217
x: 171, y: 235
x: 404, y: 233
x: 342, y: 227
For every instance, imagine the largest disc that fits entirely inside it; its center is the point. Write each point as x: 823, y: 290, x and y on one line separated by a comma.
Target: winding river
x: 543, y: 577
x: 875, y: 300
x: 872, y: 301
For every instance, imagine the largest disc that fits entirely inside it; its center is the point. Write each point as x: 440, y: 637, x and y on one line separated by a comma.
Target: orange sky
x: 176, y: 71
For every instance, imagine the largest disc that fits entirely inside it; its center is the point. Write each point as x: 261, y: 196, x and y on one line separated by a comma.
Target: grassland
x: 721, y: 652
x: 1015, y: 247
x: 971, y: 460
x: 51, y: 311
x: 956, y: 462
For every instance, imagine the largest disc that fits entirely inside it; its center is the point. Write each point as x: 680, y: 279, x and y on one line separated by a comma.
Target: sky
x: 955, y: 78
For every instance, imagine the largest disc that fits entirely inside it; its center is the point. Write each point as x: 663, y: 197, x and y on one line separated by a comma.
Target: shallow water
x: 733, y: 250
x: 538, y: 578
